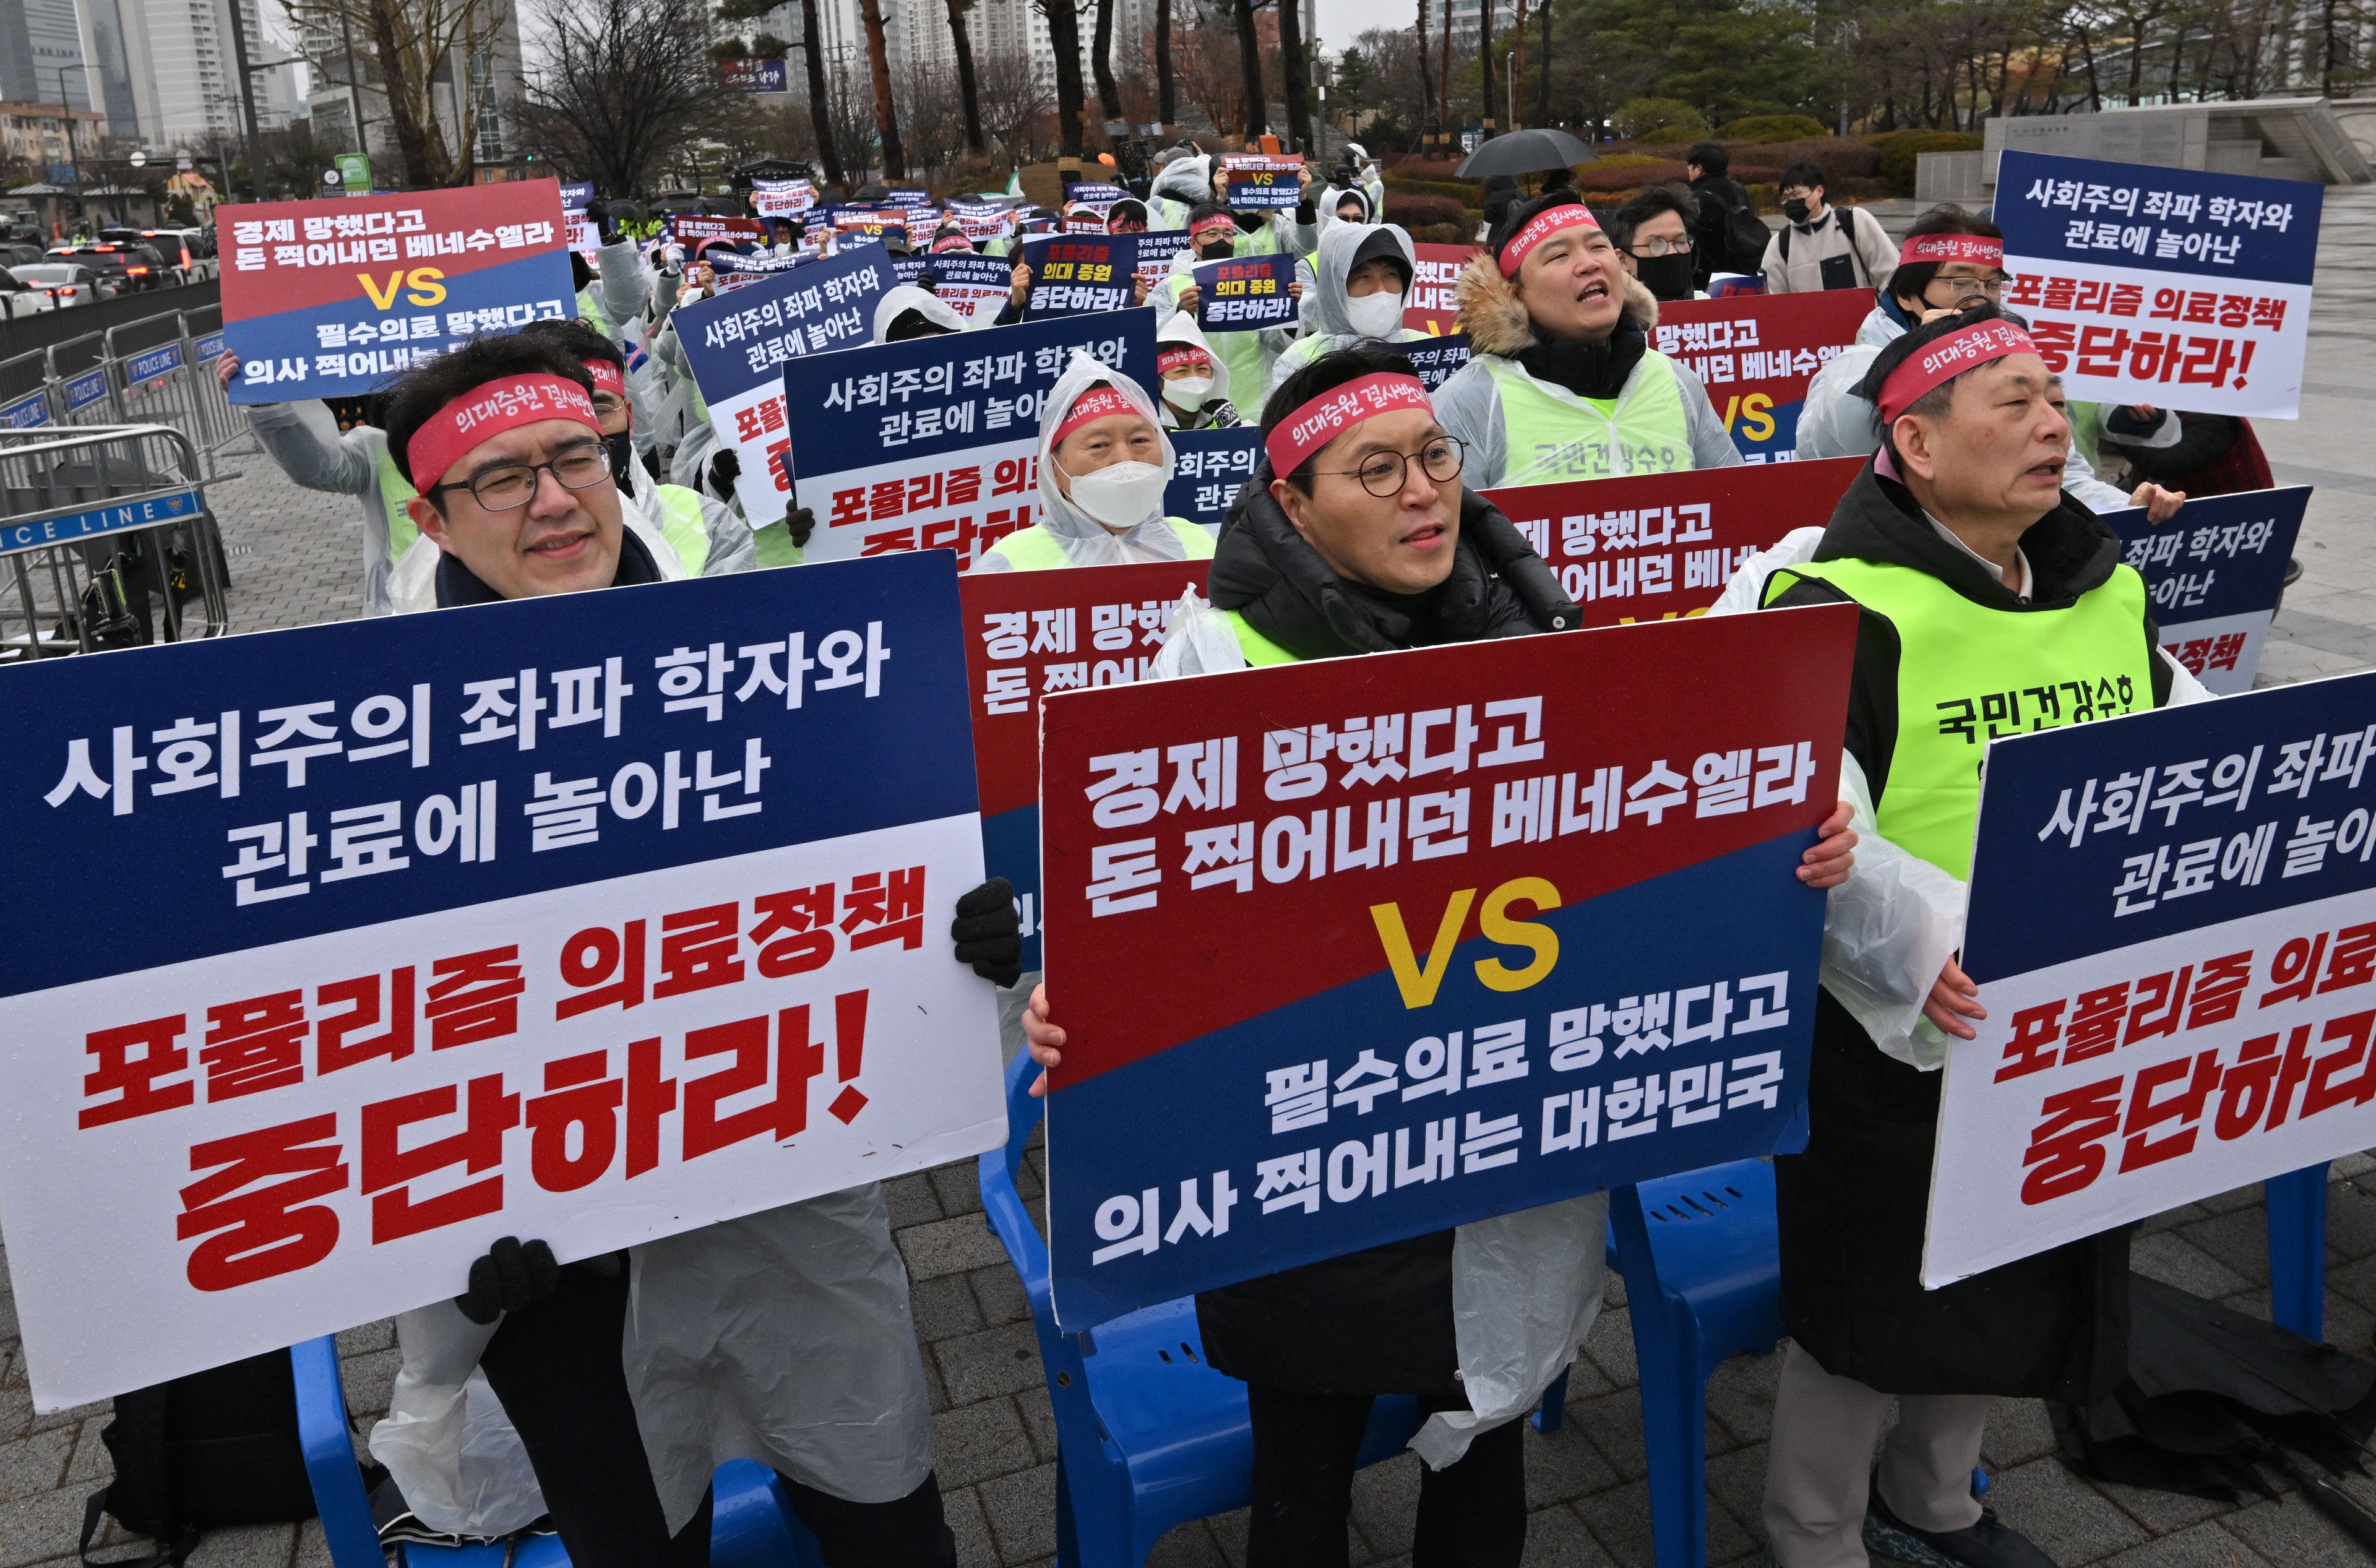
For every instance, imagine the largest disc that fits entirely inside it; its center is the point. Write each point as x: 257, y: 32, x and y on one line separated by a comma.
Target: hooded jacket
x: 897, y: 302
x: 1216, y: 412
x: 1469, y: 403
x: 1326, y: 326
x: 1853, y: 1207
x: 1179, y: 185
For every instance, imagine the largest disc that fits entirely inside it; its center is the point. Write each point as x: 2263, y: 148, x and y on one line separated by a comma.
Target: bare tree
x: 625, y: 83
x: 1166, y: 108
x: 962, y: 41
x: 418, y: 47
x: 1072, y: 99
x: 1295, y: 72
x: 1258, y: 110
x: 1101, y: 62
x: 886, y: 110
x: 1015, y: 94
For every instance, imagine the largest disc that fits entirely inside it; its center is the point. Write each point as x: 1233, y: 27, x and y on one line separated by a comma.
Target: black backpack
x: 1742, y: 235
x: 217, y: 1447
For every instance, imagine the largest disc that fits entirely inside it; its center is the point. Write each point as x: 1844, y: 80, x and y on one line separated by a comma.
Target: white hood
x: 898, y: 302
x: 1088, y: 542
x: 1324, y: 302
x: 1183, y: 329
x: 1187, y: 180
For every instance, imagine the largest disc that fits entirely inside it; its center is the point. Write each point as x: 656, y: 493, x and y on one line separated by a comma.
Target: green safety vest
x: 1244, y: 352
x: 393, y: 492
x: 1550, y: 434
x: 775, y: 545
x: 1036, y: 550
x: 1258, y: 648
x: 589, y: 310
x: 1967, y: 674
x: 683, y: 525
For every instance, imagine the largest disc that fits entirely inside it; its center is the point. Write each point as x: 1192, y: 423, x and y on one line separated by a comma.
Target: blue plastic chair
x: 752, y: 1526
x: 2297, y: 1202
x: 1148, y: 1436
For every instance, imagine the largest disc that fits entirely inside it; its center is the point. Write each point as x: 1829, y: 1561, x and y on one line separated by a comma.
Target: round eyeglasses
x: 580, y: 465
x: 1384, y: 473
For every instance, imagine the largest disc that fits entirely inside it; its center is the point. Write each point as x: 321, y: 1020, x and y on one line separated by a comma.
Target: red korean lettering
x: 849, y: 1053
x: 849, y: 506
x: 2096, y: 1022
x: 2218, y: 989
x: 890, y: 542
x: 889, y: 500
x: 133, y: 1078
x: 885, y: 906
x: 784, y: 1115
x: 2295, y: 966
x: 474, y: 996
x: 747, y: 427
x: 780, y: 464
x: 2244, y: 1088
x: 2200, y: 1077
x: 2036, y: 1032
x: 488, y: 1113
x: 2290, y: 1075
x: 2160, y: 1002
x: 651, y: 1096
x: 579, y: 1093
x: 699, y: 950
x: 795, y: 929
x: 2353, y: 962
x: 335, y: 1045
x: 2326, y: 1088
x: 254, y: 1045
x: 275, y: 1229
x: 2066, y: 1150
x: 589, y: 962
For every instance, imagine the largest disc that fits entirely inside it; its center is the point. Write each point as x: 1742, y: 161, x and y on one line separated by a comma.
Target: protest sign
x: 335, y: 298
x: 934, y: 444
x: 973, y: 286
x: 782, y: 198
x: 731, y: 271
x: 1600, y: 956
x: 690, y: 229
x: 1208, y: 469
x: 1156, y: 249
x: 1028, y: 633
x: 420, y: 896
x: 2214, y: 573
x: 2162, y: 286
x: 1098, y: 198
x: 1651, y: 547
x: 1073, y: 275
x: 1755, y: 354
x: 1244, y: 293
x: 1429, y: 306
x: 982, y: 220
x: 755, y: 76
x: 2184, y: 1014
x: 1260, y: 181
x: 1436, y: 359
x: 907, y: 200
x: 584, y: 236
x: 735, y: 341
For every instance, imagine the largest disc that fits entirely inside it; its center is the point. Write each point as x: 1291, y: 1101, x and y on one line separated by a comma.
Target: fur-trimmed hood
x: 1497, y: 323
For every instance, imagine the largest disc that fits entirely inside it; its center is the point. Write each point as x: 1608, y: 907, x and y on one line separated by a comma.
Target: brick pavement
x: 295, y: 558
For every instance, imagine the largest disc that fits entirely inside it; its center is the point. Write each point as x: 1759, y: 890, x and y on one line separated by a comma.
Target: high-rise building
x: 41, y: 54
x: 1466, y: 15
x: 339, y: 85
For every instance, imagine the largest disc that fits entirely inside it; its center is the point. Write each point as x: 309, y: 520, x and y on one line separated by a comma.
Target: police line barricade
x: 444, y: 945
x: 85, y: 390
x: 1334, y: 977
x: 26, y: 401
x: 1029, y: 635
x: 2214, y: 573
x: 215, y: 423
x: 2193, y: 1010
x: 1652, y: 547
x: 157, y: 382
x: 105, y: 541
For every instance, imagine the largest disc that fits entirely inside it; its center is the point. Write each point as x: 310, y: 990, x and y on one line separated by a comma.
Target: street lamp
x: 74, y: 168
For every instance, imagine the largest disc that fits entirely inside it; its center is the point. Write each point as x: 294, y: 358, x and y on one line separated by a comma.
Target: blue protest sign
x: 2173, y: 923
x: 934, y: 444
x: 2163, y: 286
x: 577, y: 197
x: 1208, y: 469
x: 2214, y: 573
x: 595, y: 917
x: 115, y: 517
x: 1435, y: 358
x: 1259, y: 182
x: 1079, y: 275
x: 1244, y: 293
x: 1457, y: 960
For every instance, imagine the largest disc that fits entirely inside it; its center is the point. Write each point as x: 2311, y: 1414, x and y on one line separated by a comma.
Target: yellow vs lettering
x: 428, y: 288
x: 1420, y: 981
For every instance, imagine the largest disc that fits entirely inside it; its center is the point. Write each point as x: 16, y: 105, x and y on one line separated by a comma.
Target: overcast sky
x: 1342, y: 21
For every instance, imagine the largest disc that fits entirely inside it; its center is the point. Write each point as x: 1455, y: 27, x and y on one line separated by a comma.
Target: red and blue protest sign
x: 594, y: 918
x: 1079, y: 275
x: 2214, y: 573
x: 1032, y: 633
x: 2172, y: 287
x: 1208, y: 469
x: 1360, y: 949
x: 1242, y: 293
x: 2173, y: 926
x: 335, y: 298
x: 1652, y: 547
x: 1429, y: 306
x: 1755, y: 354
x: 1258, y: 181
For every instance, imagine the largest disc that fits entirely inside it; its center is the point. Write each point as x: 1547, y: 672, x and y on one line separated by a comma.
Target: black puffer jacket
x: 1377, y: 1321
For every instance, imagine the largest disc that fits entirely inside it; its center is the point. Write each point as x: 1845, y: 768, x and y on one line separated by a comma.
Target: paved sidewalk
x: 295, y: 558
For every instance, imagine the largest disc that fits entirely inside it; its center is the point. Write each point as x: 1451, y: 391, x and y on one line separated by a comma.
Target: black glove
x: 724, y: 470
x: 803, y: 522
x: 510, y: 1277
x: 988, y: 933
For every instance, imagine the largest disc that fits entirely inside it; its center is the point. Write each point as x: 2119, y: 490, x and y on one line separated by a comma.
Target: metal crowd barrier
x: 105, y: 537
x: 159, y: 369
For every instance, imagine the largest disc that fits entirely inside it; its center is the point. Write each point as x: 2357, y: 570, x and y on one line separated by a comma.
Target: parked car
x: 131, y: 268
x: 185, y: 253
x: 17, y: 254
x: 66, y: 282
x: 21, y: 299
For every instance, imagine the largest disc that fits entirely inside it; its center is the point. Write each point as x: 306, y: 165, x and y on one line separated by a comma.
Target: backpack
x: 217, y: 1447
x: 1846, y: 218
x: 1744, y: 234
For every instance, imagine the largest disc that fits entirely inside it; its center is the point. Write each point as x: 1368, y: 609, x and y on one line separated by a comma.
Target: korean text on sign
x: 1243, y: 294
x: 1755, y: 355
x: 1259, y: 181
x: 1077, y: 276
x: 2215, y: 577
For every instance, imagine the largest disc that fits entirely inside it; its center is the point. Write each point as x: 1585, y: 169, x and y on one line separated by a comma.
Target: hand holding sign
x: 1246, y: 292
x: 1263, y: 181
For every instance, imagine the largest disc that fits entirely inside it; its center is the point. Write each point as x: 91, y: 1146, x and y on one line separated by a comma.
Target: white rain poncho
x: 1181, y: 328
x: 1326, y: 327
x: 907, y: 297
x: 1085, y: 540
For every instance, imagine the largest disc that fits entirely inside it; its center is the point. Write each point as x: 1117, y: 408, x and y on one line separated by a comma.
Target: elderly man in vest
x: 784, y: 1336
x: 1564, y: 384
x: 1975, y: 573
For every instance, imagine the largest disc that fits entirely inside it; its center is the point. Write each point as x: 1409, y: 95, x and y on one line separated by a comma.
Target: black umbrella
x: 1524, y: 152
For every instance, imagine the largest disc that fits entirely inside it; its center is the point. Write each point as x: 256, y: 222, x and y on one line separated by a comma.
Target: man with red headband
x: 1984, y: 588
x: 1215, y: 233
x: 1355, y: 536
x: 784, y: 1336
x: 1563, y: 383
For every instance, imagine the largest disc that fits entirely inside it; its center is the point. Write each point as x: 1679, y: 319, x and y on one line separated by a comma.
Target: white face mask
x: 1375, y: 315
x: 1120, y: 495
x: 1188, y: 391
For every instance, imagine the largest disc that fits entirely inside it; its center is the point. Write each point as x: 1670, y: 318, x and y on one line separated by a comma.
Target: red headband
x: 608, y: 377
x: 1187, y: 353
x: 1929, y: 368
x: 1094, y: 404
x: 1292, y: 443
x: 487, y: 410
x: 1541, y: 227
x: 1976, y: 248
x: 1212, y: 221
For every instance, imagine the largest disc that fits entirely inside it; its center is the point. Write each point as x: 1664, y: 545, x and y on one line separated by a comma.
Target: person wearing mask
x: 1823, y: 247
x: 1971, y: 568
x: 784, y: 1336
x: 1366, y: 175
x: 1564, y: 384
x: 1196, y: 384
x: 1652, y: 235
x: 909, y: 311
x: 1730, y: 236
x: 1271, y: 231
x: 1360, y: 277
x: 1104, y: 462
x: 950, y: 237
x: 1357, y: 537
x: 1214, y: 235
